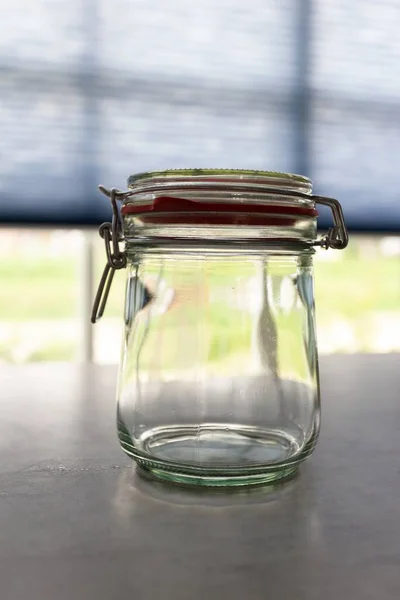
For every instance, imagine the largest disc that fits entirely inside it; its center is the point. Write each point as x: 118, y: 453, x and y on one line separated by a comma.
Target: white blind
x: 92, y: 91
x: 355, y: 132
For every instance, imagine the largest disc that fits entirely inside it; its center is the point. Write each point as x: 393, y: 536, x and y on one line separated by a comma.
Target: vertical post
x: 302, y: 88
x: 86, y: 297
x: 88, y: 82
x: 89, y: 88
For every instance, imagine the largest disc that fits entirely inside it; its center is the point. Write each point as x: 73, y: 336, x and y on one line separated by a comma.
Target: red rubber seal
x: 168, y: 209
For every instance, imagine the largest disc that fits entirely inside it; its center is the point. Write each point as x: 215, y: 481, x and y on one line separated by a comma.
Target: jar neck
x: 301, y: 235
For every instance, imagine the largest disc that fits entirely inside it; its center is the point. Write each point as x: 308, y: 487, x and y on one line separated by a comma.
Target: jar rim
x: 275, y: 179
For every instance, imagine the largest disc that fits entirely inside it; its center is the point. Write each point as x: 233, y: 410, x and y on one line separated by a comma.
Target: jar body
x: 219, y: 381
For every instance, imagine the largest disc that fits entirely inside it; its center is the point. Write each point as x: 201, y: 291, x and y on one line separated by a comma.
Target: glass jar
x: 218, y: 381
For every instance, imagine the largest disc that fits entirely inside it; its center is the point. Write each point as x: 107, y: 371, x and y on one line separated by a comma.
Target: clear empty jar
x: 219, y: 379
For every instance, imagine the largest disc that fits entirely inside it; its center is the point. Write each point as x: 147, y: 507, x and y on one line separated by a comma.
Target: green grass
x: 47, y: 288
x: 37, y: 289
x: 355, y: 289
x: 354, y: 286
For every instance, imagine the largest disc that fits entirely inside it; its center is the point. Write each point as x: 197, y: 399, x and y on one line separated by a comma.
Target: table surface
x: 77, y: 521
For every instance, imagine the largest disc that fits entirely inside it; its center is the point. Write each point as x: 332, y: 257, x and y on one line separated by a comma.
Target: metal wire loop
x: 112, y: 235
x: 337, y: 236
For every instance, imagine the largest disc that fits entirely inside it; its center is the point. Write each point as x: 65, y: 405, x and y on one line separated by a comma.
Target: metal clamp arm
x: 337, y: 236
x: 116, y: 258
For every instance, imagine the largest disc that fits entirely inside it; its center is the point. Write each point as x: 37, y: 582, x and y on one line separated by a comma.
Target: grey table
x: 78, y: 523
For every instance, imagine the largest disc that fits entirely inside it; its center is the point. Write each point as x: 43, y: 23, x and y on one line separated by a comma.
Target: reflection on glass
x: 219, y: 366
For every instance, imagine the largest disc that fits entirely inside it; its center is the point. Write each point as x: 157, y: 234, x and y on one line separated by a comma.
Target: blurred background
x: 92, y: 91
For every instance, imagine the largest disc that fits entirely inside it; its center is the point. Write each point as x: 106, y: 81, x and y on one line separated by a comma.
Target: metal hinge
x: 337, y: 236
x: 112, y: 235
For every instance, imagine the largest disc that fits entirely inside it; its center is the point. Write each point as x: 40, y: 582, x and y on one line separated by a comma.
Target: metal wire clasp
x: 112, y: 234
x: 116, y: 258
x: 337, y: 236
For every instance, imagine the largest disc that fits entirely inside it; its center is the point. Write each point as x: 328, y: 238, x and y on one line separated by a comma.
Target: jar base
x: 216, y: 454
x: 220, y: 481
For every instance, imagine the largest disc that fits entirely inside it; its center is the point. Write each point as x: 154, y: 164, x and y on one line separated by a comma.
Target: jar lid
x: 219, y: 197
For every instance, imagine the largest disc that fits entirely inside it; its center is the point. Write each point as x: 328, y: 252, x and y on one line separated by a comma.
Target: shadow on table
x: 136, y: 485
